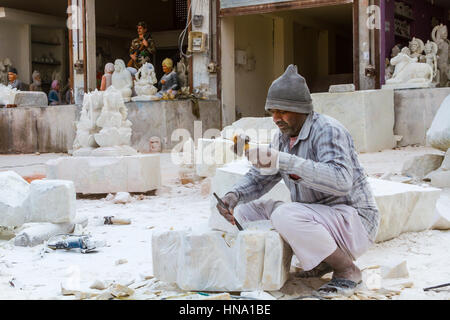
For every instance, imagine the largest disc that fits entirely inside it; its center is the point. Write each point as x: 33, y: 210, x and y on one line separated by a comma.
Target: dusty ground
x: 37, y: 273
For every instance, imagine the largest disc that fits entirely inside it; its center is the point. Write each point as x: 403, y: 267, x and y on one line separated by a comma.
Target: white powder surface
x: 37, y: 273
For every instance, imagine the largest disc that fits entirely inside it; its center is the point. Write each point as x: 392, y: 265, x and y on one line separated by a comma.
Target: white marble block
x: 403, y: 207
x: 14, y: 192
x: 205, y: 260
x: 438, y: 136
x: 96, y: 175
x: 31, y: 98
x: 52, y: 201
x: 367, y: 115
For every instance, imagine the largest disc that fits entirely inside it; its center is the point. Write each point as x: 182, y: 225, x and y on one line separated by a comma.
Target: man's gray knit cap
x: 290, y: 93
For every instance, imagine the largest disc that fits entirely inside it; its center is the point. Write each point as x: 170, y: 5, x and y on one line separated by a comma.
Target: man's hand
x: 133, y: 56
x: 231, y: 200
x: 263, y: 157
x: 145, y: 42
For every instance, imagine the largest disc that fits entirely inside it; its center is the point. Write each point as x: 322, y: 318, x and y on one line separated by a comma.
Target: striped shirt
x: 324, y: 159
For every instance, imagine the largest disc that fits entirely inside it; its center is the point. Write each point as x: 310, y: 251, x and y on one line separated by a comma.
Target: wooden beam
x: 378, y: 64
x: 191, y: 60
x: 356, y: 67
x: 289, y: 5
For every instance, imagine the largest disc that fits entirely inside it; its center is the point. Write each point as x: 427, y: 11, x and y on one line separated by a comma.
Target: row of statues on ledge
x: 420, y: 62
x: 139, y: 85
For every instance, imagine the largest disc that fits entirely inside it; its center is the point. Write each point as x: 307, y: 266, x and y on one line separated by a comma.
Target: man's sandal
x: 343, y: 287
x: 318, y: 272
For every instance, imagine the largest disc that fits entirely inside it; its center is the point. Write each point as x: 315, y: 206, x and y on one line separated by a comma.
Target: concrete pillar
x: 91, y: 45
x: 228, y: 72
x: 366, y: 43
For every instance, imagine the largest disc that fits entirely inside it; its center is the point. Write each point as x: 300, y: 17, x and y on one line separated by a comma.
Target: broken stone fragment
x: 122, y: 198
x: 98, y: 285
x: 439, y: 178
x: 438, y: 136
x: 420, y: 166
x: 33, y: 234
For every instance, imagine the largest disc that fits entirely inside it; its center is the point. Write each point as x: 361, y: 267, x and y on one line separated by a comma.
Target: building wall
x: 242, y: 3
x: 15, y: 44
x: 254, y: 35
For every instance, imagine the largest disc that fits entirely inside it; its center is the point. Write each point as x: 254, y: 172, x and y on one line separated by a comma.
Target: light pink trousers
x: 313, y: 231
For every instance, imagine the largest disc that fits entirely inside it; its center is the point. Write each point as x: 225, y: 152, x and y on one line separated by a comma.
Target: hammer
x: 112, y: 220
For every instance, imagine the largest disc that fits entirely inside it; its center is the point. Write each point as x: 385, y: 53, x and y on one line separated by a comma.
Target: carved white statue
x: 440, y: 37
x: 103, y: 129
x: 390, y: 68
x: 122, y: 80
x: 409, y: 72
x: 7, y: 94
x: 144, y: 83
x: 416, y: 47
x: 3, y: 74
x: 87, y: 127
x: 430, y: 58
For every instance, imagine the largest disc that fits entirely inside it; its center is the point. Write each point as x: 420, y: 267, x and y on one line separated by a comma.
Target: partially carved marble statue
x: 440, y: 37
x: 144, y: 83
x: 122, y: 80
x: 416, y: 47
x: 103, y: 129
x: 409, y: 73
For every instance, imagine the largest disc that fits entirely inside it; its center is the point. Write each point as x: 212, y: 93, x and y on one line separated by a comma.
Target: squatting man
x: 333, y: 218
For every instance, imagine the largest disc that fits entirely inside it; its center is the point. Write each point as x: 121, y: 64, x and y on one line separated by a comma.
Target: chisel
x: 223, y: 205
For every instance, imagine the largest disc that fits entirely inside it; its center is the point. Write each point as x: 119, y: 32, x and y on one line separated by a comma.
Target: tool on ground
x: 70, y: 241
x: 112, y: 220
x: 241, y: 144
x: 437, y: 287
x: 223, y: 205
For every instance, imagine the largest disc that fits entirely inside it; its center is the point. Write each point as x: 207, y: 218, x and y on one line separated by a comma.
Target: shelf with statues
x: 47, y: 63
x: 46, y: 43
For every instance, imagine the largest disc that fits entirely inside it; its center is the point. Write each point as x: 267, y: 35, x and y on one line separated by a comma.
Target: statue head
x: 109, y: 67
x: 141, y: 28
x: 416, y: 45
x: 7, y: 62
x: 36, y: 76
x: 119, y: 65
x: 431, y: 47
x: 440, y: 33
x: 167, y: 65
x: 55, y: 85
x: 12, y: 74
x: 395, y: 51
